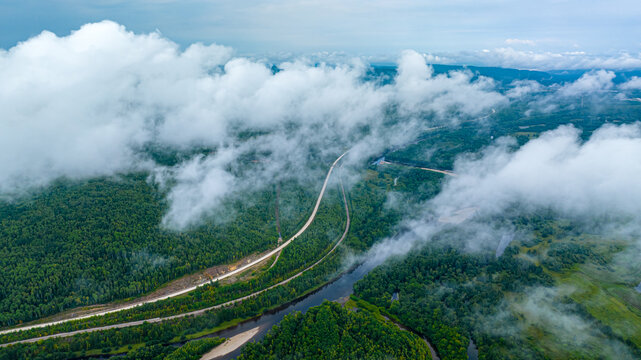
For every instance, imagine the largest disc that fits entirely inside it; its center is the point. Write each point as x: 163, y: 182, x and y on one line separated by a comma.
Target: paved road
x: 446, y: 172
x: 184, y: 291
x: 241, y: 340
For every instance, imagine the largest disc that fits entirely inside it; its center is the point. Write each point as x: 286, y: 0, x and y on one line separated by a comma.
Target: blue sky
x: 374, y: 28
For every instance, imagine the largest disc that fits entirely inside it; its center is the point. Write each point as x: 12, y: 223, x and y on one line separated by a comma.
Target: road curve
x: 201, y: 311
x: 184, y: 291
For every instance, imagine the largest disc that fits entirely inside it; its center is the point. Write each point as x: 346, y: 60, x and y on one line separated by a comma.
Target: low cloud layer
x: 82, y: 105
x: 589, y: 83
x: 633, y: 84
x: 557, y: 170
x: 595, y: 179
x: 560, y: 323
x: 90, y: 103
x: 510, y: 57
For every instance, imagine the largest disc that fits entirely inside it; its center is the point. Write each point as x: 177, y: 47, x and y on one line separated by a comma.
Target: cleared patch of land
x: 231, y: 344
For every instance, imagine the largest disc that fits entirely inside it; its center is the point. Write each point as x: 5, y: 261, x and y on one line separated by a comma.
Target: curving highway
x: 201, y: 311
x: 184, y: 291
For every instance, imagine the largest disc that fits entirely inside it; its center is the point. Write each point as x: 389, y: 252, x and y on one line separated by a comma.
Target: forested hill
x: 100, y: 240
x: 331, y: 332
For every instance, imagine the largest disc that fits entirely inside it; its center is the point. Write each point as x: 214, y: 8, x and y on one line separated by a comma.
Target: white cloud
x: 521, y: 88
x: 330, y: 106
x: 80, y: 105
x: 594, y: 181
x: 85, y: 105
x: 520, y: 42
x: 593, y: 82
x: 543, y: 309
x: 509, y: 57
x: 419, y: 90
x: 201, y: 183
x: 633, y: 84
x: 585, y: 180
x: 556, y: 170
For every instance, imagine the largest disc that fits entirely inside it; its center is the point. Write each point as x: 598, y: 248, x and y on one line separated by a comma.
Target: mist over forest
x: 496, y: 209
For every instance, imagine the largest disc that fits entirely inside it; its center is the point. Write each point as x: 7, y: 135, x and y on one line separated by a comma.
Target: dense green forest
x: 450, y: 296
x: 443, y: 293
x: 300, y: 254
x: 365, y: 200
x: 447, y: 295
x: 331, y: 332
x: 150, y: 347
x: 371, y: 220
x: 171, y: 331
x: 192, y: 350
x: 96, y: 241
x: 439, y: 148
x: 82, y: 243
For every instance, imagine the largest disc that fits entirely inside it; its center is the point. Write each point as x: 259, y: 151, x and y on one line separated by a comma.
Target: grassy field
x: 601, y: 292
x: 612, y: 303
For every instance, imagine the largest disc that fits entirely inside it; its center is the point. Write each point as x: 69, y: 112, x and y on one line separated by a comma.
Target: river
x: 337, y: 290
x: 334, y: 291
x: 342, y: 287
